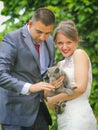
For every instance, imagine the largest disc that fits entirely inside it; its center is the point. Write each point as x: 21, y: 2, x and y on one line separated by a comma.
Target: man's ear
x: 30, y: 23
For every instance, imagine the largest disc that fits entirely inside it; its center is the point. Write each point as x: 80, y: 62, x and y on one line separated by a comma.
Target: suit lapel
x: 29, y: 43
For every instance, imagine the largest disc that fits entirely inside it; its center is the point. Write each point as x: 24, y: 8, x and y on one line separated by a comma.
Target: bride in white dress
x: 78, y: 114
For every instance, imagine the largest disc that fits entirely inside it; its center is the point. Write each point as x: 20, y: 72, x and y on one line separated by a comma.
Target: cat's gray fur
x: 54, y: 73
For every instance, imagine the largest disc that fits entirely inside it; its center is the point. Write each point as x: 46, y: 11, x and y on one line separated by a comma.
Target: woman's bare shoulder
x: 80, y: 53
x: 81, y: 56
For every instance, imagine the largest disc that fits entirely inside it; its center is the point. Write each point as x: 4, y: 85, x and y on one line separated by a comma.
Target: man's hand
x: 41, y: 86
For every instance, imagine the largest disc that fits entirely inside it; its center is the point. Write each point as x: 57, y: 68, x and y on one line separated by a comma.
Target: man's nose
x: 43, y: 37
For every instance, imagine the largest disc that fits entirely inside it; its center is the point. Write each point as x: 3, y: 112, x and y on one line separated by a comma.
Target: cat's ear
x: 57, y: 70
x: 47, y: 70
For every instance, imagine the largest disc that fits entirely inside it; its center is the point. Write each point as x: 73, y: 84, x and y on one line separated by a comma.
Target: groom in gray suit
x: 22, y: 69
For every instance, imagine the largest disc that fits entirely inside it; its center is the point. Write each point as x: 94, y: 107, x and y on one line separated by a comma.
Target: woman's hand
x: 50, y: 103
x: 57, y: 83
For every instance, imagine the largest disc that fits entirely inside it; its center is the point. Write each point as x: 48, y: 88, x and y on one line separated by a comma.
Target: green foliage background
x: 83, y: 12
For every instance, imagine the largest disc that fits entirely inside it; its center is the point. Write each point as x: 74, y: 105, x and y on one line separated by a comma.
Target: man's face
x: 39, y: 31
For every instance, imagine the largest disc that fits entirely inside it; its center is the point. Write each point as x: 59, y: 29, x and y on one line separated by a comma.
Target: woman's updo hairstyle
x: 68, y: 29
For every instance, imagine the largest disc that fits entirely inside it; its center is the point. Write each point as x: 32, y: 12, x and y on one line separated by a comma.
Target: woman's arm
x: 81, y: 64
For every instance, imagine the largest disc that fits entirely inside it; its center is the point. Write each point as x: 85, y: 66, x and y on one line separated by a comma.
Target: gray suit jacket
x: 19, y: 64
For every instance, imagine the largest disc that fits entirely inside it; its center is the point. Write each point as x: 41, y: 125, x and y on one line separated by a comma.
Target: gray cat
x: 54, y: 73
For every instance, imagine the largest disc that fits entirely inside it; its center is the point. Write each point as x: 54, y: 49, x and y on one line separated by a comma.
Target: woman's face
x: 65, y: 45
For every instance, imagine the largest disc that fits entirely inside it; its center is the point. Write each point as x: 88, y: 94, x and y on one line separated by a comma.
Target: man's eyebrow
x: 38, y: 30
x: 42, y: 31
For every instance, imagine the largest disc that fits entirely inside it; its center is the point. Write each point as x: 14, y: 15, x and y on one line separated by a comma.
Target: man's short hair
x: 44, y: 15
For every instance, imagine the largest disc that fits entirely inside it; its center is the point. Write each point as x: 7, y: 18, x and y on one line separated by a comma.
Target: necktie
x: 38, y: 49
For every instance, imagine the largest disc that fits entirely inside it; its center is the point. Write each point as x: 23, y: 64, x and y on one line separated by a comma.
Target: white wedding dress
x: 78, y: 114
